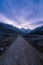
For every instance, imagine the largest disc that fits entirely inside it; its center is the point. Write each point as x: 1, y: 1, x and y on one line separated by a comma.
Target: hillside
x: 5, y: 28
x: 8, y: 34
x: 37, y: 31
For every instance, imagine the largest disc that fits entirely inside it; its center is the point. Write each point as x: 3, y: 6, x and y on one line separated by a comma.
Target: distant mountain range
x: 11, y: 29
x: 5, y: 28
x: 26, y: 31
x: 38, y: 31
x: 14, y: 30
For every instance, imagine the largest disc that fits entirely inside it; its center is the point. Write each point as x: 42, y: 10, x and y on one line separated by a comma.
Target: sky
x: 22, y: 13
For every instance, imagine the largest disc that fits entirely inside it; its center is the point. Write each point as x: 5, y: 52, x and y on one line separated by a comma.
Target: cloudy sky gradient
x: 22, y: 13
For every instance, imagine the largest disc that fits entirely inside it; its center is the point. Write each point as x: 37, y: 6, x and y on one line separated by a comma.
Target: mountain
x: 6, y: 28
x: 26, y: 31
x: 38, y: 31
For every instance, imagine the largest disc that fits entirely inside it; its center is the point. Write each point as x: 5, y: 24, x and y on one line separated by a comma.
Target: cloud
x: 22, y: 13
x: 6, y: 20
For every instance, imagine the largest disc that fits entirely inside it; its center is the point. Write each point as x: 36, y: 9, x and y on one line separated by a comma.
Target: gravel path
x: 21, y: 53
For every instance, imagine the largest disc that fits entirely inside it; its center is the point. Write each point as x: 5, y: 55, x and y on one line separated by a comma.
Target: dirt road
x: 21, y: 53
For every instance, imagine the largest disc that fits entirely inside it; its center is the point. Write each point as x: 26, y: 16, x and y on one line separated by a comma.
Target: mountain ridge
x: 12, y: 29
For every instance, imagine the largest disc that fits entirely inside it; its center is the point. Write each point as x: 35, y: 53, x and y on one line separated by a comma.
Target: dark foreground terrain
x: 20, y: 48
x: 21, y: 53
x: 35, y: 40
x: 6, y: 39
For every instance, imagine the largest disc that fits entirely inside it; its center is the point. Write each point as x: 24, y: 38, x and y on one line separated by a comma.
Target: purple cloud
x: 22, y: 13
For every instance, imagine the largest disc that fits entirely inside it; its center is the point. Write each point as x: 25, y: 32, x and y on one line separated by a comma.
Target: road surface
x: 21, y: 53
